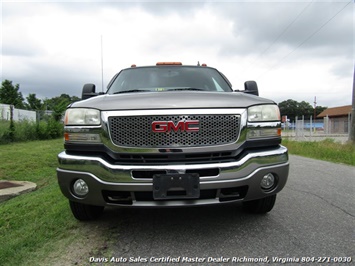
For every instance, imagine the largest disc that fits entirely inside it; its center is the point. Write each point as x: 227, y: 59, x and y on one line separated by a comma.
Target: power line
x: 284, y: 31
x: 307, y: 39
x: 280, y: 35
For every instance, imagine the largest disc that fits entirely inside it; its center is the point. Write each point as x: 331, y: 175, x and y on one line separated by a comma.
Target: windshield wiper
x: 186, y: 89
x: 128, y: 91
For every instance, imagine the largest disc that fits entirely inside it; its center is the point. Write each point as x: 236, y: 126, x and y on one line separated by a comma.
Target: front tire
x: 260, y: 206
x: 84, y: 212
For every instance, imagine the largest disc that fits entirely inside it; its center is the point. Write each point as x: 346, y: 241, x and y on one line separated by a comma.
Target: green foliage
x: 31, y: 222
x: 33, y: 103
x: 327, y: 150
x: 54, y: 129
x: 27, y: 131
x: 12, y: 131
x: 50, y: 127
x: 7, y: 131
x: 38, y: 228
x: 10, y: 94
x: 59, y: 104
x: 320, y: 109
x: 292, y: 108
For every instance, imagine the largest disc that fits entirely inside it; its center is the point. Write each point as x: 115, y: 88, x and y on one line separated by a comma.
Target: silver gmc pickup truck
x: 171, y: 135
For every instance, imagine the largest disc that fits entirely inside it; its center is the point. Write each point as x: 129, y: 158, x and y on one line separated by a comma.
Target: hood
x: 172, y: 100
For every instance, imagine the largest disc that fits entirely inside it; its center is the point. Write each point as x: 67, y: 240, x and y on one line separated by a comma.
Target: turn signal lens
x: 82, y: 137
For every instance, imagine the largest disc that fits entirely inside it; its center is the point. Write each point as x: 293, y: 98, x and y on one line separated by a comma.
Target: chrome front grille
x: 136, y: 131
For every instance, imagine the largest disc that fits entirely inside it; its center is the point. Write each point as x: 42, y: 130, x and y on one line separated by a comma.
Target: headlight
x: 263, y: 113
x: 264, y: 121
x: 82, y: 116
x: 78, y: 117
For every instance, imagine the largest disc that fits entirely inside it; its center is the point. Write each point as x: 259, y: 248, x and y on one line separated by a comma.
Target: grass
x: 30, y: 221
x: 38, y: 228
x: 327, y: 150
x: 34, y: 225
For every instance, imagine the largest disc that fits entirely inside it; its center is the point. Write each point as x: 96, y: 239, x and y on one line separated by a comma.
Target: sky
x: 293, y: 49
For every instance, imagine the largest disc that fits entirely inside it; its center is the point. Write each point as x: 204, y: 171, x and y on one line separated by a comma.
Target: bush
x: 24, y: 131
x: 54, y: 128
x: 5, y: 131
x: 27, y: 130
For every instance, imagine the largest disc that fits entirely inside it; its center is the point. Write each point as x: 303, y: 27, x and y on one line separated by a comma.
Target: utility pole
x: 352, y: 123
x: 102, y: 67
x: 315, y: 113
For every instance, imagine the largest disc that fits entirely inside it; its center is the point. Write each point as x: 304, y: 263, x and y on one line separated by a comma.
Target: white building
x: 18, y: 114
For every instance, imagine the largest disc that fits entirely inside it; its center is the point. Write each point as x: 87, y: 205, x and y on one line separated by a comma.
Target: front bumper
x: 112, y: 184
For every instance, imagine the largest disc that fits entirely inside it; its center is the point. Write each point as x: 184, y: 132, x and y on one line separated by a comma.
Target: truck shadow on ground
x: 180, y: 216
x: 202, y: 231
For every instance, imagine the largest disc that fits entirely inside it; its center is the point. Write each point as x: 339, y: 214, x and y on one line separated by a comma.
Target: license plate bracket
x: 176, y: 186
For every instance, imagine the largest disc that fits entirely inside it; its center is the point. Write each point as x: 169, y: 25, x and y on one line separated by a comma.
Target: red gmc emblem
x: 169, y: 126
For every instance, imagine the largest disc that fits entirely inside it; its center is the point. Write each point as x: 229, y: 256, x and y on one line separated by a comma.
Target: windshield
x: 168, y: 78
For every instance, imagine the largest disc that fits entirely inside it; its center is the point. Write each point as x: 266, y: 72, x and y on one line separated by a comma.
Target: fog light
x: 80, y: 188
x: 268, y: 181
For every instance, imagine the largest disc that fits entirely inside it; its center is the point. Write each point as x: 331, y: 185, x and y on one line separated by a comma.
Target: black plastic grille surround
x: 136, y: 131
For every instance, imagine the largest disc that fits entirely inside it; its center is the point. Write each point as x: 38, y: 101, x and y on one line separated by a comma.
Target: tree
x: 320, y: 109
x: 10, y: 94
x: 58, y: 105
x: 292, y: 108
x: 289, y: 108
x: 305, y: 109
x: 33, y: 103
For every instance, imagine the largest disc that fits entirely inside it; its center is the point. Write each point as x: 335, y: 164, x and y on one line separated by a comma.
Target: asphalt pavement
x: 312, y: 223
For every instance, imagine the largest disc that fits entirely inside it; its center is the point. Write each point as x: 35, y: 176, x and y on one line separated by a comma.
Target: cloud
x: 292, y: 49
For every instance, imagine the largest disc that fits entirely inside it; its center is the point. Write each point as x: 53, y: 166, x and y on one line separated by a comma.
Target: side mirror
x: 88, y: 91
x: 251, y: 87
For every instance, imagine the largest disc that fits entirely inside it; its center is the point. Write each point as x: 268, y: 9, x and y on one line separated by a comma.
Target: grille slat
x: 136, y: 131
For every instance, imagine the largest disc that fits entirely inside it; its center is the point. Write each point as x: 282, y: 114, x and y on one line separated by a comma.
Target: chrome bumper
x: 103, y: 177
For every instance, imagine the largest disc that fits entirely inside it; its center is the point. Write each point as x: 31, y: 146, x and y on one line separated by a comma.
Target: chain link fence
x: 336, y: 128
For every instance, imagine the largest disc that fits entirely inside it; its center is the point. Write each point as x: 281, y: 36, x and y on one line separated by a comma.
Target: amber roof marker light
x: 169, y: 64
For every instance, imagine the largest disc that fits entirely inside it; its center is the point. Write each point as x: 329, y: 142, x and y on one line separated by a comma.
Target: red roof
x: 336, y: 111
